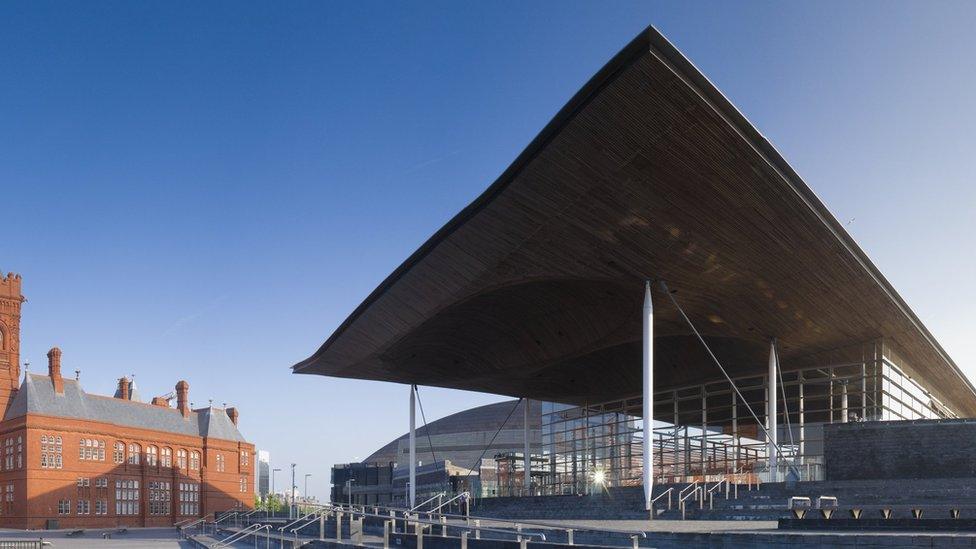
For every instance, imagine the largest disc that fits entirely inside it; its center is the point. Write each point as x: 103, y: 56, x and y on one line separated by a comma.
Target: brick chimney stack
x: 183, y: 398
x: 10, y: 302
x: 54, y: 369
x: 232, y: 412
x: 123, y: 389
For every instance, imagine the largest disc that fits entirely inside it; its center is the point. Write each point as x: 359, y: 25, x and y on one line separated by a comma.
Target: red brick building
x: 74, y: 459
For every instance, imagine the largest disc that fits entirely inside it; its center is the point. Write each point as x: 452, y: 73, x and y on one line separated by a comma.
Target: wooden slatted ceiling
x: 535, y: 289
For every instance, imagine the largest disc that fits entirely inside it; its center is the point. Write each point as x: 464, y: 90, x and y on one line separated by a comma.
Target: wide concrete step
x: 767, y: 502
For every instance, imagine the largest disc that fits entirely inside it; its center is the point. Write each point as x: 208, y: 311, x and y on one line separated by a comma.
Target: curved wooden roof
x: 535, y: 288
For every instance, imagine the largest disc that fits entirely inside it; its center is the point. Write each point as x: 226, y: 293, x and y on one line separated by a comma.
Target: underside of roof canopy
x: 649, y: 172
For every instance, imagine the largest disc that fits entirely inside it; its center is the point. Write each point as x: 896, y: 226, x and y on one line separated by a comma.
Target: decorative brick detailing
x: 10, y: 302
x: 123, y: 388
x: 183, y: 397
x: 54, y: 369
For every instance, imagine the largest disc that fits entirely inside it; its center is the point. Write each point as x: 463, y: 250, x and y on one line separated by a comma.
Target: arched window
x: 166, y: 457
x: 152, y: 456
x: 3, y: 339
x: 181, y: 458
x: 134, y: 451
x: 118, y: 453
x: 90, y: 449
x: 51, y: 446
x: 194, y: 460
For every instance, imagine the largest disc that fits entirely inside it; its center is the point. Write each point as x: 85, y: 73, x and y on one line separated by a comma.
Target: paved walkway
x: 137, y: 538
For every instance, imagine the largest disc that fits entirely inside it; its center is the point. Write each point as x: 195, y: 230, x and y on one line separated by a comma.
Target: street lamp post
x: 349, y: 490
x: 273, y: 471
x: 292, y: 506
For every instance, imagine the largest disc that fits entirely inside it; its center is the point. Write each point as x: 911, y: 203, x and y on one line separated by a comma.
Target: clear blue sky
x: 206, y: 191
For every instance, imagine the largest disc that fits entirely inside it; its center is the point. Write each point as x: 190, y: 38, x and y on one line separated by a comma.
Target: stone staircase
x: 616, y: 503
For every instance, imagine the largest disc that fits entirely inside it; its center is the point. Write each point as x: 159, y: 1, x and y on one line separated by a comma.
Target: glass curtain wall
x: 705, y: 432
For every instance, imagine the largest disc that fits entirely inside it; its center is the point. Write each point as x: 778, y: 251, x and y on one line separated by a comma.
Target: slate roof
x: 133, y: 391
x: 37, y: 396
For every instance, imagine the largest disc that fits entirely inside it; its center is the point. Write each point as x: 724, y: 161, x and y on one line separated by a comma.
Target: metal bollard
x: 464, y: 539
x: 386, y: 533
x: 634, y: 543
x: 339, y: 526
x: 569, y: 536
x: 420, y: 536
x: 523, y: 543
x: 443, y: 527
x: 477, y: 529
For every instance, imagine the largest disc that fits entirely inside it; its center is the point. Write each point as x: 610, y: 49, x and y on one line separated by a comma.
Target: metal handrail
x: 425, y: 502
x: 693, y: 486
x: 419, y: 520
x: 240, y: 533
x: 717, y: 484
x: 281, y: 530
x: 248, y: 515
x: 448, y: 502
x: 267, y: 536
x: 710, y: 491
x: 668, y: 493
x: 225, y: 517
x: 514, y: 523
x: 303, y: 525
x: 519, y: 523
x: 194, y: 523
x: 682, y: 498
x: 299, y: 519
x: 222, y: 519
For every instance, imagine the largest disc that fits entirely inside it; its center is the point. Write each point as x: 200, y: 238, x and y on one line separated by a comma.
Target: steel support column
x: 843, y: 402
x: 735, y: 432
x: 648, y: 393
x: 527, y: 457
x: 771, y: 414
x: 413, y: 446
x: 704, y: 434
x: 803, y: 434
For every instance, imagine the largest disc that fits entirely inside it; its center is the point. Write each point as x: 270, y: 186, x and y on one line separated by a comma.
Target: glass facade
x: 707, y: 431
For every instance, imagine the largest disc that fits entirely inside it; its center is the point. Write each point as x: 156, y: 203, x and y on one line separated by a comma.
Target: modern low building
x: 73, y: 459
x: 652, y: 266
x: 263, y: 473
x: 452, y: 454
